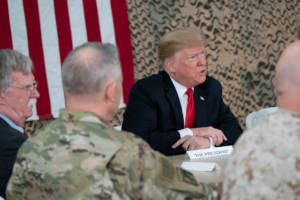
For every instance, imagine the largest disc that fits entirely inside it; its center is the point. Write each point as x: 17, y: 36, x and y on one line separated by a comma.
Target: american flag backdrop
x: 46, y: 30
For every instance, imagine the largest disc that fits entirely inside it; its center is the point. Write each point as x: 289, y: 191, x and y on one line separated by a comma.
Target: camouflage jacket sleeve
x: 141, y: 173
x: 57, y: 166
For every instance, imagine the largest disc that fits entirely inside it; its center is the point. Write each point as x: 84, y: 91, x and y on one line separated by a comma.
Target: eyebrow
x: 195, y: 53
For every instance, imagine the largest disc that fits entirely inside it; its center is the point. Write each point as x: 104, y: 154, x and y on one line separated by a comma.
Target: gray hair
x: 88, y: 68
x: 11, y: 61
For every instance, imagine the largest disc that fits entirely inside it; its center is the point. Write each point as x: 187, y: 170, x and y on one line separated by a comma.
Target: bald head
x: 287, y: 78
x: 290, y: 56
x: 88, y: 68
x: 92, y: 79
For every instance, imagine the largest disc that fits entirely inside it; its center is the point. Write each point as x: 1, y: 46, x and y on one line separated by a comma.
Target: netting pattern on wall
x: 244, y: 41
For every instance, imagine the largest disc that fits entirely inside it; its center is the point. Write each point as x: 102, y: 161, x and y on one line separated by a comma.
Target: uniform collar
x: 81, y: 116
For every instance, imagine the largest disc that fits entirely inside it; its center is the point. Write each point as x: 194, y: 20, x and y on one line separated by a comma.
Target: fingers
x: 219, y: 139
x: 195, y: 143
x: 181, y: 141
x: 216, y: 134
x: 215, y: 139
x: 186, y: 145
x: 189, y: 142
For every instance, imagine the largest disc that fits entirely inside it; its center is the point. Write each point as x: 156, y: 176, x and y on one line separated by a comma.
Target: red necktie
x: 190, y: 110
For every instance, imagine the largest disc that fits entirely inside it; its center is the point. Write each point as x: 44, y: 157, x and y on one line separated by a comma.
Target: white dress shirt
x: 183, y: 99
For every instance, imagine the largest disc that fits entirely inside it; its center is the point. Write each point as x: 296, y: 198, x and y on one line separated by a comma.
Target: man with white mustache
x: 18, y: 93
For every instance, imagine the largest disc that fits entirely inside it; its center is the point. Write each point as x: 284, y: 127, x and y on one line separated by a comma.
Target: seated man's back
x: 76, y: 156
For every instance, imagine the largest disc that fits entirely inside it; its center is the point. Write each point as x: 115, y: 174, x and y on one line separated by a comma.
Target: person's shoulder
x: 47, y: 135
x: 68, y: 142
x: 154, y: 80
x: 131, y: 145
x: 284, y: 123
x: 11, y: 138
x: 211, y: 82
x: 285, y: 116
x: 86, y: 134
x: 279, y: 129
x: 149, y: 87
x: 126, y: 138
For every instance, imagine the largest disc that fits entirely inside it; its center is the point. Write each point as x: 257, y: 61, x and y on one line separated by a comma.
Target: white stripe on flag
x: 107, y: 27
x: 18, y: 26
x: 51, y: 55
x: 77, y: 23
x: 19, y: 32
x: 106, y: 21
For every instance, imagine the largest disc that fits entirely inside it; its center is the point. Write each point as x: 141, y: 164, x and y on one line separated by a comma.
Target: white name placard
x: 211, y: 152
x: 198, y: 166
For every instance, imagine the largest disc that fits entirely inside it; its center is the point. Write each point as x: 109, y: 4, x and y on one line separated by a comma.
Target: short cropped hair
x: 11, y: 61
x: 88, y: 68
x: 177, y: 40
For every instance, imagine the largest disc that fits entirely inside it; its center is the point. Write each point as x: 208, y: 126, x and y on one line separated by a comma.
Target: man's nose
x: 35, y: 93
x: 201, y: 60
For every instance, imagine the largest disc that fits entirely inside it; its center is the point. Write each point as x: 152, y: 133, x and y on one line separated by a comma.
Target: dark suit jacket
x: 154, y: 112
x: 10, y: 142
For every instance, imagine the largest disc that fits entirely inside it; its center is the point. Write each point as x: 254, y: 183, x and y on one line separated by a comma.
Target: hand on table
x: 216, y: 134
x: 192, y: 143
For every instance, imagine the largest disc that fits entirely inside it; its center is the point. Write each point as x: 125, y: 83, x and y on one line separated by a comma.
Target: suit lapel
x: 201, y: 105
x: 172, y: 97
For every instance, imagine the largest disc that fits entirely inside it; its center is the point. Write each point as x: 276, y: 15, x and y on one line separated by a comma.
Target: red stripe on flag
x: 5, y: 33
x: 37, y: 55
x: 91, y: 20
x: 122, y: 32
x: 63, y: 28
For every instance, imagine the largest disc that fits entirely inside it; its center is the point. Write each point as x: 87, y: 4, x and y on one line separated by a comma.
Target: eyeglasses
x: 29, y: 88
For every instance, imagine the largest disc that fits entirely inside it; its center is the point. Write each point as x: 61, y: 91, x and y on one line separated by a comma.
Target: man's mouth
x: 202, y: 72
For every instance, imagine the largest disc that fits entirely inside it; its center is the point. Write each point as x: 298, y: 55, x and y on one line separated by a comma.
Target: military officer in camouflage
x: 78, y: 156
x: 266, y: 162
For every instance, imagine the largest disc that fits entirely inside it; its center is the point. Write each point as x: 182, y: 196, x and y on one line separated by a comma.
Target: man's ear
x: 110, y: 91
x: 170, y: 65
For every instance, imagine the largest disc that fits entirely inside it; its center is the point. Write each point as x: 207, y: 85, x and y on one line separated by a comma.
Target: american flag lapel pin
x: 202, y: 98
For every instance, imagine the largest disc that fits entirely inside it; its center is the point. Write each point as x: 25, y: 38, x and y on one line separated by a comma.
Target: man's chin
x: 28, y: 114
x: 202, y: 80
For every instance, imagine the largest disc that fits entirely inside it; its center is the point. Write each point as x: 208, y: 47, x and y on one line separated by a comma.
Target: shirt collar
x: 11, y: 123
x: 180, y: 89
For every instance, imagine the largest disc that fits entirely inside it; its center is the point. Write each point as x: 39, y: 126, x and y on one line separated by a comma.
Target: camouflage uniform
x: 79, y: 157
x: 266, y: 161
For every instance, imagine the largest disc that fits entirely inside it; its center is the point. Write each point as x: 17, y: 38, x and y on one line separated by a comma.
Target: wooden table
x: 214, y: 176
